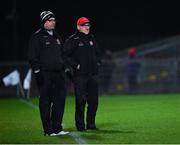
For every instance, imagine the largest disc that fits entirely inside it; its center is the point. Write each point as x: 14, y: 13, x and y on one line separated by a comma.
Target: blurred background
x: 150, y: 27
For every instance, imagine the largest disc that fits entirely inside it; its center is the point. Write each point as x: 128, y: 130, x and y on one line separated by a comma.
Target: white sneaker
x: 62, y: 133
x: 52, y: 134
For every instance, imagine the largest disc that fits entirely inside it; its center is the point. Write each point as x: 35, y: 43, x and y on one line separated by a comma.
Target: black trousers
x: 86, y: 92
x: 52, y: 101
x: 132, y: 83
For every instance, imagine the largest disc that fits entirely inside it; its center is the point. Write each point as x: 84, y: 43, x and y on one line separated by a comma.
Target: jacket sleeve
x: 69, y: 49
x: 97, y: 51
x: 34, y: 53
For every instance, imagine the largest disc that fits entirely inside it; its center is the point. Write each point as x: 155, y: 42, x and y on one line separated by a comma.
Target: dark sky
x: 110, y: 19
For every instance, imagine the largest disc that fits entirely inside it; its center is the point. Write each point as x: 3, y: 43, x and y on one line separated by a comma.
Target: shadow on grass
x: 109, y: 131
x: 99, y: 134
x: 101, y: 130
x: 92, y: 136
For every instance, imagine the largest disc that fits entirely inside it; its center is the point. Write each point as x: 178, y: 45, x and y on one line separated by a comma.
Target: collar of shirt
x: 50, y: 32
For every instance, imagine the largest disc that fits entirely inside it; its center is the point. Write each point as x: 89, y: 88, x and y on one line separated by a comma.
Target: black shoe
x: 92, y: 128
x: 81, y: 129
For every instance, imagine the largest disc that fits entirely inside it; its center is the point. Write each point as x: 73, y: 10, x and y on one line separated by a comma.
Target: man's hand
x: 78, y: 67
x: 99, y: 64
x: 39, y: 78
x: 69, y: 74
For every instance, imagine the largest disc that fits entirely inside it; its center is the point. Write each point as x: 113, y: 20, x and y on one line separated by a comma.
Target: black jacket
x: 82, y: 49
x: 45, y: 51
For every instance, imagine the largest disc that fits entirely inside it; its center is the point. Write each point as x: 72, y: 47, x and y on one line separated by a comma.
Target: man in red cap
x: 83, y: 55
x: 133, y: 66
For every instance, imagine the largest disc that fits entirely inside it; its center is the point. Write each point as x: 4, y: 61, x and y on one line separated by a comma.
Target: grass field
x: 138, y: 119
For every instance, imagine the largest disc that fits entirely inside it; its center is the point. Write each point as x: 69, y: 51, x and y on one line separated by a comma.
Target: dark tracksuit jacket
x: 133, y: 66
x: 46, y: 55
x: 82, y: 49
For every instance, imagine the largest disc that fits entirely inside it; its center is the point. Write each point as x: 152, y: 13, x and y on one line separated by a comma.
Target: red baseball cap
x: 82, y: 21
x: 131, y: 51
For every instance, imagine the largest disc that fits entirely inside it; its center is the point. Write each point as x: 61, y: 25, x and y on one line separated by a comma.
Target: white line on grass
x: 29, y: 104
x: 76, y: 137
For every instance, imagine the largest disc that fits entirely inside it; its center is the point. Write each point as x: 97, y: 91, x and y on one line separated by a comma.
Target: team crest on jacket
x: 80, y: 44
x: 58, y: 41
x: 91, y: 42
x: 47, y: 42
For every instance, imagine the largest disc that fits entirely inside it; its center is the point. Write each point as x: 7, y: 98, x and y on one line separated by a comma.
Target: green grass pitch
x: 124, y: 119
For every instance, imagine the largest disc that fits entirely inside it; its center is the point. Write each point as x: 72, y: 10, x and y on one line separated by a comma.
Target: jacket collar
x: 44, y: 31
x: 80, y: 34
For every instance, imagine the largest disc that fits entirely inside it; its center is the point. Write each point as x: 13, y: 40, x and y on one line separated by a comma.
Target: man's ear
x: 78, y: 27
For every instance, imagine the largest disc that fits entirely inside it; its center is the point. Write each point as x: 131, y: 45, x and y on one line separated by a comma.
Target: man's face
x: 50, y: 24
x: 84, y: 28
